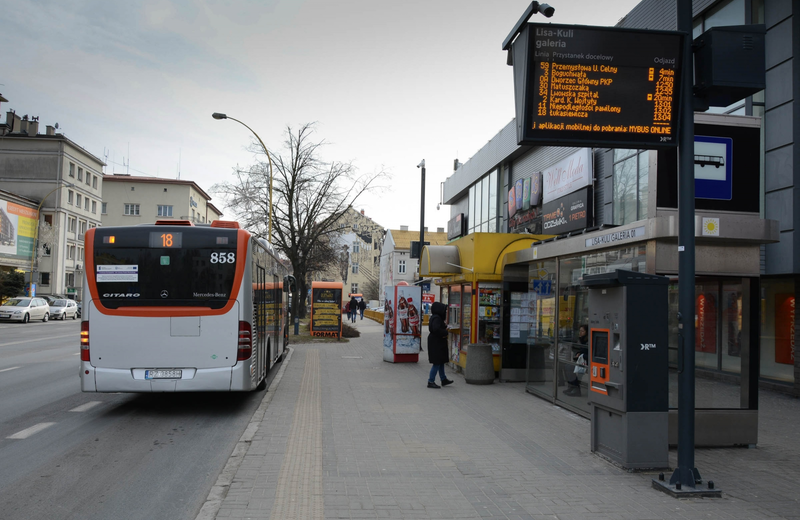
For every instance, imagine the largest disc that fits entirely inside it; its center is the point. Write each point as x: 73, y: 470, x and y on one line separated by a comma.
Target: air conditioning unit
x: 78, y: 267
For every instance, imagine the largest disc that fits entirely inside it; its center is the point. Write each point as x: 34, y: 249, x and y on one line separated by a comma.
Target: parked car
x: 63, y: 309
x: 25, y: 309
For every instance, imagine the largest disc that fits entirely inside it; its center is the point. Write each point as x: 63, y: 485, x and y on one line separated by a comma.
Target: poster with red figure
x: 784, y: 328
x: 705, y: 327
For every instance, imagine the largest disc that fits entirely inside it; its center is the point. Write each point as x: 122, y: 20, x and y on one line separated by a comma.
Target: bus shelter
x: 469, y: 272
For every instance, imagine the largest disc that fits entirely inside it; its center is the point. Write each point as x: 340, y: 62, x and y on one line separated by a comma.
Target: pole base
x: 685, y: 491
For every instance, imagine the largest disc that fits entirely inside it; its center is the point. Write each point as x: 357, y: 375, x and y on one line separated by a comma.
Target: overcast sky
x: 388, y: 83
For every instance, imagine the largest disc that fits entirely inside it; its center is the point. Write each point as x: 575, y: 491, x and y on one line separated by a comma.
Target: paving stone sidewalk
x: 346, y: 435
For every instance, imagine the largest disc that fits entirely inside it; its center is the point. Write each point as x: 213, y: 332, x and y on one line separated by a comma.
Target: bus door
x: 260, y: 321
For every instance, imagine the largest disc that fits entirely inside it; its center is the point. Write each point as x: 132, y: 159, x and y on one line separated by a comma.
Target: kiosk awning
x: 440, y: 261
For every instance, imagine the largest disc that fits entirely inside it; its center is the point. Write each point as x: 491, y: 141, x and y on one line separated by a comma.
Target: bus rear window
x: 183, y: 267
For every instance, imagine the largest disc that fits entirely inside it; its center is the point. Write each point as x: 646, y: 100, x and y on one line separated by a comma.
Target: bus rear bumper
x: 127, y: 380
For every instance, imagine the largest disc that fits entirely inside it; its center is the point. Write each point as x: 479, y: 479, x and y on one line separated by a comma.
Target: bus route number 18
x: 223, y: 258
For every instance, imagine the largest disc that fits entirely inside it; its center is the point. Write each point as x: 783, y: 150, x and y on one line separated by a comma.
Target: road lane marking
x: 84, y: 407
x: 76, y: 336
x: 24, y: 434
x: 7, y: 369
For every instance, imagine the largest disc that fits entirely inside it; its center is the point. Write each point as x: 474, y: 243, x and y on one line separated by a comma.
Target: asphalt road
x: 65, y: 454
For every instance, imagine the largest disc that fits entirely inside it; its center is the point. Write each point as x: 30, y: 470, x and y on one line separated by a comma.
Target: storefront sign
x: 326, y: 311
x: 536, y: 189
x: 530, y: 219
x: 784, y: 328
x: 568, y: 213
x: 567, y: 176
x: 604, y: 240
x: 705, y: 334
x: 512, y: 202
x: 455, y: 227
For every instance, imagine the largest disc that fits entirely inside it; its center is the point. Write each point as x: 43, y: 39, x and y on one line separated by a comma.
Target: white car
x: 63, y: 309
x: 25, y: 309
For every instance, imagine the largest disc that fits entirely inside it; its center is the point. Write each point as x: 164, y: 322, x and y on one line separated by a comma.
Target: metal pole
x: 422, y: 221
x: 686, y: 474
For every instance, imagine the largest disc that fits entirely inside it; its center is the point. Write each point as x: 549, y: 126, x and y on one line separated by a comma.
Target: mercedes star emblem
x: 164, y: 294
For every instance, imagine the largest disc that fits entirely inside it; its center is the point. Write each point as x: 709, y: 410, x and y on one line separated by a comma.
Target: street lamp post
x: 36, y: 229
x: 218, y: 115
x: 421, y: 166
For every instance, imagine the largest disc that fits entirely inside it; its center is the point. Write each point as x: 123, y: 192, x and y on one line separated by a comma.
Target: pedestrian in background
x: 347, y: 310
x: 437, y: 345
x: 353, y: 308
x: 362, y: 305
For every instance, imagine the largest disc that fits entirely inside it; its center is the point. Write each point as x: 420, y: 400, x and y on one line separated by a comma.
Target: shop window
x: 777, y: 329
x: 483, y: 214
x: 630, y: 190
x: 535, y: 313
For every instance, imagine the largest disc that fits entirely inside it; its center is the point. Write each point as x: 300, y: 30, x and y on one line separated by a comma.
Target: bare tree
x: 309, y: 196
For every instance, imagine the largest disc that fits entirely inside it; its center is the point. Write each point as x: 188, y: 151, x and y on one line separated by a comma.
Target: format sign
x: 596, y: 86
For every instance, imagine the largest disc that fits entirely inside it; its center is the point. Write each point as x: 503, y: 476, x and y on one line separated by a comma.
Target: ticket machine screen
x: 600, y: 346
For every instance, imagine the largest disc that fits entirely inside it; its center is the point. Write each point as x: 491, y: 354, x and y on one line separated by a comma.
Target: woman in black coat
x: 437, y: 345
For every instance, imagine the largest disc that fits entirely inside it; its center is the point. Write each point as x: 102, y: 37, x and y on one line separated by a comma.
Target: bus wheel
x: 262, y: 385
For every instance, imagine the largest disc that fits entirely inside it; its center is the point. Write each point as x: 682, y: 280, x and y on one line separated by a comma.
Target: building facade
x: 622, y: 214
x: 66, y: 181
x: 396, y: 264
x: 130, y: 200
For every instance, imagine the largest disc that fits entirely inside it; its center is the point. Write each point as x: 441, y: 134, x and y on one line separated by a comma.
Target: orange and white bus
x: 178, y: 307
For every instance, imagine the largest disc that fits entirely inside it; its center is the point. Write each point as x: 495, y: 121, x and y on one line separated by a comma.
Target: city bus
x: 179, y: 307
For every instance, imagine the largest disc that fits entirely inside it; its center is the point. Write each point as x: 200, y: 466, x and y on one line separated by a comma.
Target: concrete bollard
x: 480, y: 364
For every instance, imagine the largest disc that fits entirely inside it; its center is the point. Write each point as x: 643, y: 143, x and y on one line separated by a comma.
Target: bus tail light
x: 84, y: 341
x: 245, y: 341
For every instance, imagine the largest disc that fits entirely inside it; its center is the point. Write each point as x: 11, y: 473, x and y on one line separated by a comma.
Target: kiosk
x: 402, y: 333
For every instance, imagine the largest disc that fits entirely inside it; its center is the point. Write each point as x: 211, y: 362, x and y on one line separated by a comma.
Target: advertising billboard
x: 17, y: 230
x: 569, y: 213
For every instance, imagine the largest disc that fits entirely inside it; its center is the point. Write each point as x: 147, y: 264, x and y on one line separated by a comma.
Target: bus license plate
x: 162, y: 374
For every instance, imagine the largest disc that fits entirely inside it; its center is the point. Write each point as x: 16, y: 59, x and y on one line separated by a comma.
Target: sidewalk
x: 346, y: 435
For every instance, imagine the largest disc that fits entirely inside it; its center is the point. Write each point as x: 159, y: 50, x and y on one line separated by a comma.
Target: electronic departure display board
x: 596, y: 86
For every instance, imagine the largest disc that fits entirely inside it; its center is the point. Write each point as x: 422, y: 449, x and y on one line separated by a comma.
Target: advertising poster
x: 388, y: 320
x: 571, y: 174
x: 569, y: 213
x: 17, y: 229
x: 326, y: 311
x: 784, y: 328
x: 526, y: 194
x: 536, y: 189
x: 518, y: 191
x: 408, y: 322
x: 512, y: 203
x: 705, y: 333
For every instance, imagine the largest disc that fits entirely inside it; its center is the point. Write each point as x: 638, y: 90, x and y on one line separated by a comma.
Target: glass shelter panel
x: 539, y: 324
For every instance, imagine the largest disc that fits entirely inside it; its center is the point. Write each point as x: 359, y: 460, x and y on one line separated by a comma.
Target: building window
x: 355, y: 246
x: 132, y: 209
x: 104, y: 208
x: 80, y: 174
x: 88, y: 178
x: 164, y: 211
x: 631, y: 169
x: 71, y: 224
x: 483, y: 205
x: 44, y: 278
x: 401, y: 267
x: 82, y: 227
x: 355, y: 267
x: 86, y: 203
x: 94, y: 182
x: 70, y: 279
x: 80, y: 254
x: 71, y: 169
x: 354, y: 288
x: 70, y: 194
x: 78, y: 200
x: 94, y: 206
x: 70, y: 252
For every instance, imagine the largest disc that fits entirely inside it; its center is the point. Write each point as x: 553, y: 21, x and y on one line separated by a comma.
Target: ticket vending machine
x: 628, y: 368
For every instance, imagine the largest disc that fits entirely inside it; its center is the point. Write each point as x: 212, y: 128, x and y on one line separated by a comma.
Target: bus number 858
x: 223, y: 258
